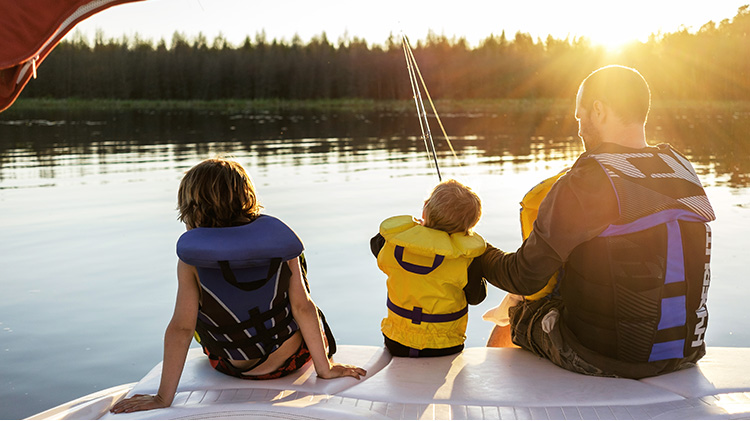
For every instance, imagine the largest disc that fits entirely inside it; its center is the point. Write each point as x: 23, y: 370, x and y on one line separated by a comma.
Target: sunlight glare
x: 733, y: 403
x: 614, y: 25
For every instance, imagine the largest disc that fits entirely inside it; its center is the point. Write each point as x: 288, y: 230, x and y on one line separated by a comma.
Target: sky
x: 610, y: 23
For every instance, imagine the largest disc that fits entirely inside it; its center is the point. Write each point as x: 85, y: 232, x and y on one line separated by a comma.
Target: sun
x: 606, y: 24
x: 614, y: 44
x: 614, y: 34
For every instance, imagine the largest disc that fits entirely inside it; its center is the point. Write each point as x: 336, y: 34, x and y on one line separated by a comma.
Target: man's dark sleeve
x: 476, y: 288
x: 515, y: 272
x: 579, y: 207
x: 376, y: 243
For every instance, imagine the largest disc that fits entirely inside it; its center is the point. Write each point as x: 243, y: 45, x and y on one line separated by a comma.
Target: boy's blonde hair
x: 452, y: 207
x: 217, y: 193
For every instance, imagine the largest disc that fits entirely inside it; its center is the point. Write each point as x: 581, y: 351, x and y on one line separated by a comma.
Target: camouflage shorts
x: 535, y: 327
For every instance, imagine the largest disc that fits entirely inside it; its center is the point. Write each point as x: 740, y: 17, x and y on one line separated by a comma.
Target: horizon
x: 235, y: 20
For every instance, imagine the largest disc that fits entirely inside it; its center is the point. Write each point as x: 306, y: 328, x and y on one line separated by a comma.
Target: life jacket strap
x: 255, y: 317
x: 398, y: 253
x: 417, y: 316
x: 262, y: 333
x: 650, y: 221
x: 261, y: 343
x: 265, y: 337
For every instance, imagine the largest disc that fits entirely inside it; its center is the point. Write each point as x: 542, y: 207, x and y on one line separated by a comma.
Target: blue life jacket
x: 244, y: 311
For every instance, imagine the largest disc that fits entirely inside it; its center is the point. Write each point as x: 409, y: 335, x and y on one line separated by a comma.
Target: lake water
x: 88, y: 221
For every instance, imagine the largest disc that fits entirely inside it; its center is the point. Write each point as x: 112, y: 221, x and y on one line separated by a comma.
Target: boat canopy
x: 29, y: 30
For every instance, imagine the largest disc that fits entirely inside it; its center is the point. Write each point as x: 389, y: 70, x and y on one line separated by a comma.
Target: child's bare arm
x: 306, y: 314
x: 177, y: 339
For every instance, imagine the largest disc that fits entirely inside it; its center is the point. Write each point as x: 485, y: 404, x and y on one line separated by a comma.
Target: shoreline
x: 348, y: 105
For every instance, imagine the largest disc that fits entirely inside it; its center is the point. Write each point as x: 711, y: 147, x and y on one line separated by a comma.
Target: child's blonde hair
x: 452, y: 207
x: 217, y: 193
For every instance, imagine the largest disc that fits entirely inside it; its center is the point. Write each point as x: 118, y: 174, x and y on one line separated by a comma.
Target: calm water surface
x: 88, y: 221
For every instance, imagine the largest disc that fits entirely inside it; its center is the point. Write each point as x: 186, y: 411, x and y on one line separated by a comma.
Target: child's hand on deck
x: 139, y: 403
x: 343, y: 370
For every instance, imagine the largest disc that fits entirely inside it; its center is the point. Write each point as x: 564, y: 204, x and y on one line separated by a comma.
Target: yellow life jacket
x: 529, y: 211
x: 426, y: 271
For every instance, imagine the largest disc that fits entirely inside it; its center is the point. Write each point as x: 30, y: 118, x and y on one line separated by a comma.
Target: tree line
x: 711, y: 63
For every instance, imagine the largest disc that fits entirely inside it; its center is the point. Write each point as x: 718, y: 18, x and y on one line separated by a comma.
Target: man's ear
x: 599, y: 111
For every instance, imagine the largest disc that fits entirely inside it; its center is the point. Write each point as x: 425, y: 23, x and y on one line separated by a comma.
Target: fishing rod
x: 413, y: 69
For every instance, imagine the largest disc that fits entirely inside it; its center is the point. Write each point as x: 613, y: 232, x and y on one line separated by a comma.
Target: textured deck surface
x: 479, y: 383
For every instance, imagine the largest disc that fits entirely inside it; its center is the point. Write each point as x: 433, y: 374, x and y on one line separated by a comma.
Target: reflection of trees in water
x: 715, y: 142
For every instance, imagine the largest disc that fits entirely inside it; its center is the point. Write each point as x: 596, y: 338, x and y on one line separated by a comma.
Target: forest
x: 708, y: 64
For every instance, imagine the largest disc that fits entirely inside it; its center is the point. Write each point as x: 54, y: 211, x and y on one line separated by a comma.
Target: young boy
x: 250, y: 327
x: 427, y: 264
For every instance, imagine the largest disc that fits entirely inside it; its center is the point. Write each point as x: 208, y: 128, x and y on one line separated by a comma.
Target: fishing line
x: 437, y: 116
x: 421, y: 113
x: 414, y: 71
x: 412, y: 81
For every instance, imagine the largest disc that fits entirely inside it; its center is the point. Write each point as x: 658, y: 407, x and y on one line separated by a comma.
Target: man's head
x: 452, y: 207
x: 612, y: 96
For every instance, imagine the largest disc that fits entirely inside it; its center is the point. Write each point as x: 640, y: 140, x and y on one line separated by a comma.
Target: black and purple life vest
x: 637, y: 292
x: 244, y: 311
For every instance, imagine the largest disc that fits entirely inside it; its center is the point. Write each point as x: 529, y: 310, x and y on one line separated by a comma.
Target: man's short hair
x: 622, y: 88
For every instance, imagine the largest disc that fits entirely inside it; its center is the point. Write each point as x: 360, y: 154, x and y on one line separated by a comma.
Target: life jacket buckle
x: 416, y: 316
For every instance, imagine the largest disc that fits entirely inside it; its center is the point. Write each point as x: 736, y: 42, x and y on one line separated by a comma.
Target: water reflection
x: 53, y: 145
x: 95, y: 250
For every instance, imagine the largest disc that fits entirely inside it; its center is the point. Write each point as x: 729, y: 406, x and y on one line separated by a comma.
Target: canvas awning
x: 29, y: 30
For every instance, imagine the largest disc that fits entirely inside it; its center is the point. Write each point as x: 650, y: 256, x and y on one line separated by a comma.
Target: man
x: 626, y: 227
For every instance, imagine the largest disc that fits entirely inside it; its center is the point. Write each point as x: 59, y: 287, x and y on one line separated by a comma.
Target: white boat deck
x: 479, y: 383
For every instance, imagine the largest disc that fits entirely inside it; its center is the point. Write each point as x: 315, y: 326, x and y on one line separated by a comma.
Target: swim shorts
x: 399, y: 350
x: 292, y: 364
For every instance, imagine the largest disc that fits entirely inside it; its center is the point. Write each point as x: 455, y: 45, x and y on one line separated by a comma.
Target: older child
x: 241, y: 289
x: 427, y: 265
